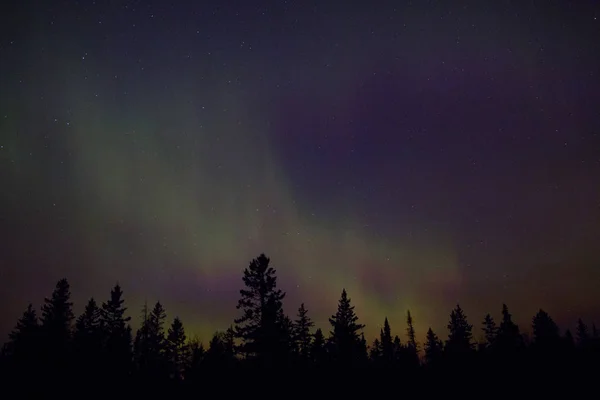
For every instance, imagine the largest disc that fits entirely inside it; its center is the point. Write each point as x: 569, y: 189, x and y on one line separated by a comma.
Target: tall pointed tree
x: 460, y: 338
x: 24, y: 342
x: 88, y: 334
x: 302, y: 327
x: 57, y: 324
x: 410, y: 333
x: 490, y: 331
x: 117, y: 334
x: 345, y: 336
x: 583, y: 336
x: 177, y: 349
x: 317, y: 348
x: 260, y: 326
x: 387, y: 345
x: 509, y: 337
x: 433, y: 348
x: 57, y: 314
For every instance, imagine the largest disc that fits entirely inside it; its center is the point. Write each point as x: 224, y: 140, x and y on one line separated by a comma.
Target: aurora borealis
x: 417, y: 154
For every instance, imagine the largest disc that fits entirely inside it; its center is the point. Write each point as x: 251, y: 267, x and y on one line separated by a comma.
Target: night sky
x: 418, y: 154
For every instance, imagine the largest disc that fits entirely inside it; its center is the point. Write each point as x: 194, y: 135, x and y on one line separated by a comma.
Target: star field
x: 418, y: 154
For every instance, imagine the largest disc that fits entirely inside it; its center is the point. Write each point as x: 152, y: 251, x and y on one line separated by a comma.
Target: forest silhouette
x: 99, y: 345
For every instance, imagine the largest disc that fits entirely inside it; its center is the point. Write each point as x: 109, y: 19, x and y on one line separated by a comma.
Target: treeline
x: 99, y: 345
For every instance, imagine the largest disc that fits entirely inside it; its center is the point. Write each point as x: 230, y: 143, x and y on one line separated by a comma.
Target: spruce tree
x: 387, y: 345
x: 302, y: 327
x: 317, y: 348
x: 583, y: 336
x: 410, y: 332
x: 460, y: 338
x: 88, y: 336
x: 117, y: 334
x: 261, y: 325
x: 344, y: 337
x: 490, y: 331
x: 57, y: 321
x: 509, y: 337
x: 375, y: 353
x: 545, y: 330
x: 433, y: 348
x: 177, y: 349
x: 24, y: 343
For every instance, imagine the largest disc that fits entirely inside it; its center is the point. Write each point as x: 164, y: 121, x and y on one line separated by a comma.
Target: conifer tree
x: 317, y: 348
x: 387, y: 345
x: 583, y: 336
x: 433, y: 348
x: 460, y: 338
x: 57, y: 314
x: 117, y: 334
x: 410, y: 332
x: 88, y: 335
x: 345, y: 339
x: 177, y: 349
x: 509, y: 337
x: 490, y: 330
x: 261, y: 325
x: 24, y: 342
x: 302, y: 327
x: 545, y: 330
x: 57, y: 321
x: 375, y: 353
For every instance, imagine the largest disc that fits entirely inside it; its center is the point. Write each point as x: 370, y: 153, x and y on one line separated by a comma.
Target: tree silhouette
x: 88, y: 338
x: 117, y: 334
x: 545, y: 330
x: 375, y: 353
x: 582, y: 333
x: 387, y: 345
x: 261, y: 325
x: 433, y: 348
x: 220, y: 353
x: 509, y: 337
x: 490, y: 331
x: 57, y: 319
x: 460, y: 339
x: 346, y: 342
x: 177, y: 349
x: 23, y: 345
x: 410, y: 332
x: 302, y: 327
x: 317, y: 348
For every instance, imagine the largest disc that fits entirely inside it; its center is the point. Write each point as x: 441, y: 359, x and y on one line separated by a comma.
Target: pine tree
x: 509, y: 337
x: 410, y: 331
x: 302, y: 327
x: 375, y: 352
x: 260, y: 326
x: 57, y: 321
x: 141, y: 343
x: 317, y: 348
x: 490, y: 330
x: 433, y: 348
x: 220, y: 351
x: 545, y: 330
x: 24, y: 343
x: 583, y: 336
x: 57, y: 314
x: 88, y: 335
x: 117, y: 334
x: 177, y: 349
x: 398, y: 349
x: 460, y: 338
x: 347, y: 345
x: 156, y: 342
x: 387, y: 345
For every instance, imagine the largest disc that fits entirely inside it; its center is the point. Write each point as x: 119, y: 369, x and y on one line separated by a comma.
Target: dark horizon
x: 418, y: 154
